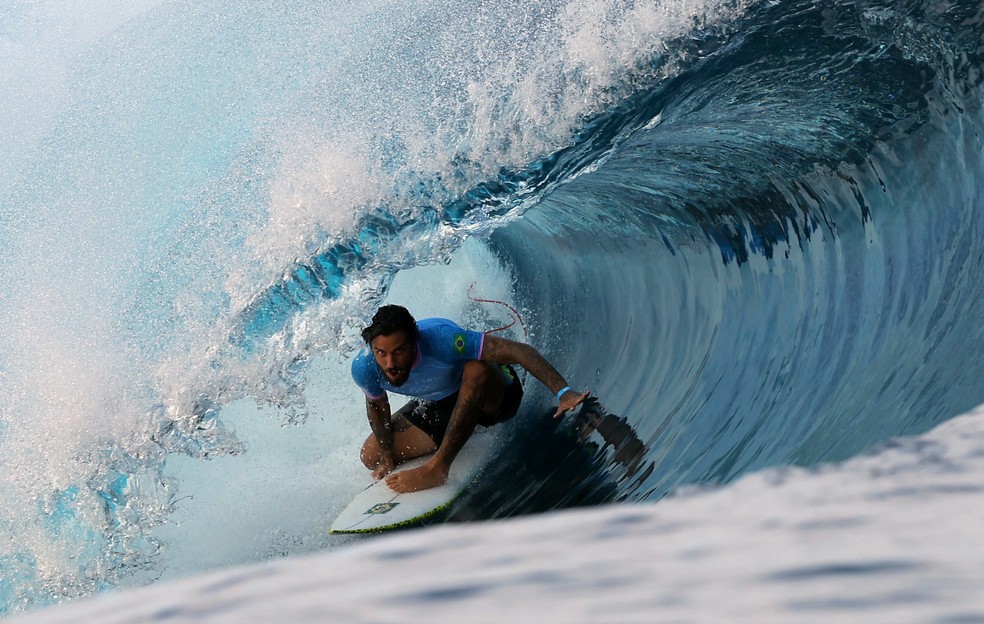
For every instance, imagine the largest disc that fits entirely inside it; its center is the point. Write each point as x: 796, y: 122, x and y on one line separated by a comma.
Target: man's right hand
x: 384, y: 467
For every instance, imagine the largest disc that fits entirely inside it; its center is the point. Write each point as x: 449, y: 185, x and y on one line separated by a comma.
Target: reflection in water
x: 618, y: 434
x: 550, y: 463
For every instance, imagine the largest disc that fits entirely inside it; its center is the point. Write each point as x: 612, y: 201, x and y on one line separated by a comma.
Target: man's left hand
x: 569, y: 400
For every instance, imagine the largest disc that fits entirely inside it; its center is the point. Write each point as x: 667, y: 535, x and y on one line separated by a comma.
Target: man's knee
x: 479, y: 372
x: 370, y: 452
x: 485, y: 375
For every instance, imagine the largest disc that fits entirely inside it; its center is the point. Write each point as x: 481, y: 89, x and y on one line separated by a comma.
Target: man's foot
x: 421, y: 478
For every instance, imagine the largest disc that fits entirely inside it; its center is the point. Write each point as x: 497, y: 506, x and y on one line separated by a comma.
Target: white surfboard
x: 378, y: 508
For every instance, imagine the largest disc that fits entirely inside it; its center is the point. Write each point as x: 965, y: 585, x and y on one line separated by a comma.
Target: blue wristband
x: 561, y: 392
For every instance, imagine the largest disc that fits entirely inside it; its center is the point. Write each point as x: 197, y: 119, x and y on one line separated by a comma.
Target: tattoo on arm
x: 462, y: 423
x: 381, y: 422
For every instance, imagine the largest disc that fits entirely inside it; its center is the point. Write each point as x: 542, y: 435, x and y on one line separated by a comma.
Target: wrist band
x: 561, y: 392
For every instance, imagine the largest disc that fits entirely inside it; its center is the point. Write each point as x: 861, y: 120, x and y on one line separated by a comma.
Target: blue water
x: 751, y: 229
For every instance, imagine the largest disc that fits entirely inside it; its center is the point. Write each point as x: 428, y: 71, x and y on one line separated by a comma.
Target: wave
x: 773, y: 265
x: 750, y: 229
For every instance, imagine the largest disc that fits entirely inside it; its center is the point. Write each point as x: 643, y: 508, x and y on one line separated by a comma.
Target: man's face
x: 394, y: 354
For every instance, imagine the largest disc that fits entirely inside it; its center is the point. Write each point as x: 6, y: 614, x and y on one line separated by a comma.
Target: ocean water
x: 751, y: 229
x: 890, y: 536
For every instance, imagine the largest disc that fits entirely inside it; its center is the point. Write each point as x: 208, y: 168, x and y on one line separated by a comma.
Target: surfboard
x: 378, y: 508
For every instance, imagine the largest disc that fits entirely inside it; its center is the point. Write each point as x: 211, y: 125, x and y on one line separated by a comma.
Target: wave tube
x: 775, y: 262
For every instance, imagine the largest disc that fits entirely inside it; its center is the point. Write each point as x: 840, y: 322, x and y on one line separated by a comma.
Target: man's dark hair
x: 388, y: 320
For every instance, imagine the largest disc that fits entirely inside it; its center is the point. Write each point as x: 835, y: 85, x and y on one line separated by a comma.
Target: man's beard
x: 402, y: 376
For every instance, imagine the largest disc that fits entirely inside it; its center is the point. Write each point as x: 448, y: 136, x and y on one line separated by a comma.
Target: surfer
x: 457, y: 379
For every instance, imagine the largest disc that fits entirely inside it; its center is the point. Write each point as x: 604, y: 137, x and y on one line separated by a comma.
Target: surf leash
x: 515, y: 315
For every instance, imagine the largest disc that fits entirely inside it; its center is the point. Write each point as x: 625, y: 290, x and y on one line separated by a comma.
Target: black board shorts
x: 433, y: 416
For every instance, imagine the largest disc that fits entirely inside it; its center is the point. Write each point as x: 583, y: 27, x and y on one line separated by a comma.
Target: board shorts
x: 433, y: 416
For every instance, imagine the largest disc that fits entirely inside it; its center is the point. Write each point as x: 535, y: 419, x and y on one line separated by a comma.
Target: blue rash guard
x: 442, y: 350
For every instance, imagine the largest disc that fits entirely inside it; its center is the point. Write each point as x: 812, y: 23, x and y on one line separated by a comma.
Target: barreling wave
x: 774, y: 264
x: 751, y: 230
x: 773, y: 213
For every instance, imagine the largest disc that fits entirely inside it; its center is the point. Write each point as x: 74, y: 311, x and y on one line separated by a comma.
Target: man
x: 458, y: 379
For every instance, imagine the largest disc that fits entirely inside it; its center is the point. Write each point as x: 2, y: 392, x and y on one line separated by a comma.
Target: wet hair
x: 388, y: 320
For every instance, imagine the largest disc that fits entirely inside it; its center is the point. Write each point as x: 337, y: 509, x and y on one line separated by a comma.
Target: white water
x: 39, y: 42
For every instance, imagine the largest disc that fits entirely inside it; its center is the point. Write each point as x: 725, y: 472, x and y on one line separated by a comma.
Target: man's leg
x: 408, y: 442
x: 483, y: 387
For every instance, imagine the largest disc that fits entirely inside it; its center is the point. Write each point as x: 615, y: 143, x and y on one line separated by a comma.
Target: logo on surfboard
x: 381, y: 508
